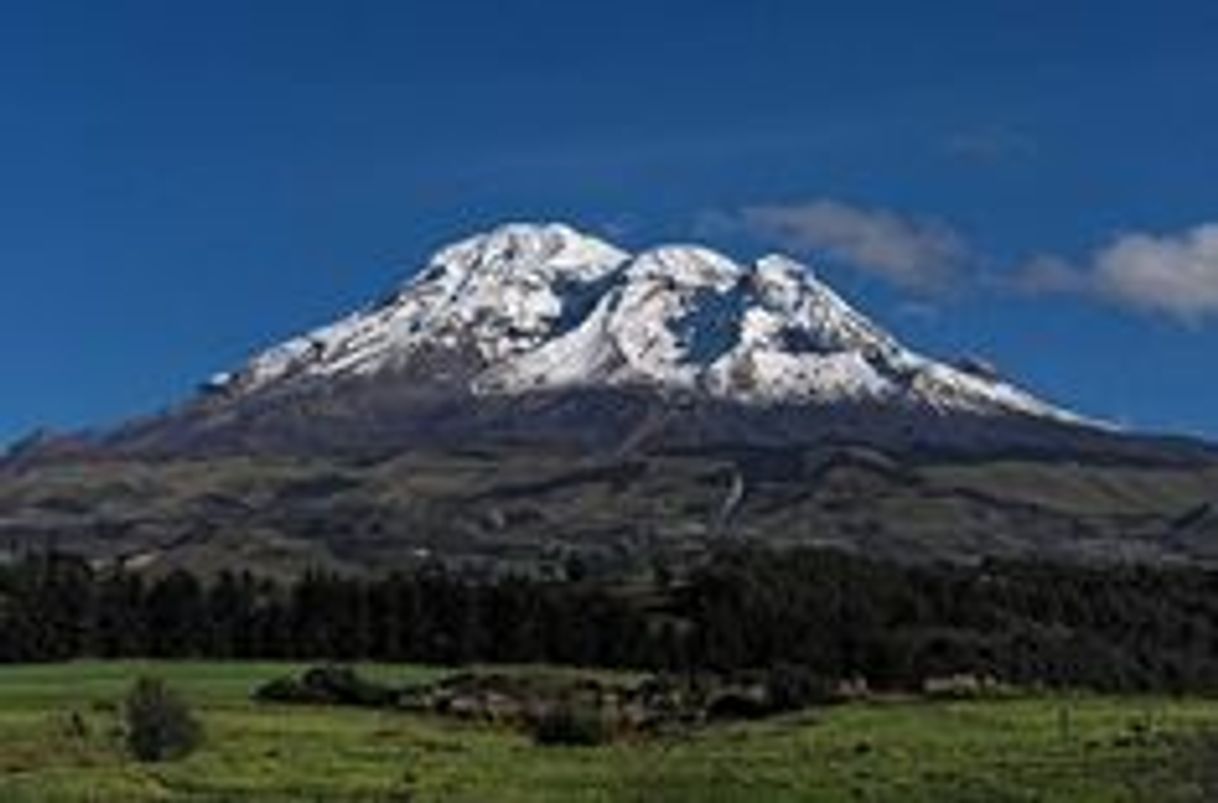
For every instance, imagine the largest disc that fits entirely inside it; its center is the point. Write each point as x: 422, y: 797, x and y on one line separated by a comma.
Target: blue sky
x: 183, y: 183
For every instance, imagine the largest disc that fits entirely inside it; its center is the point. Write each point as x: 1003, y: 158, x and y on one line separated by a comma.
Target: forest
x: 841, y: 616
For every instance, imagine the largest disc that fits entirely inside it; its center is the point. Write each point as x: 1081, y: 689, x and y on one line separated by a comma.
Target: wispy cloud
x: 1174, y: 274
x: 1049, y: 274
x: 919, y: 311
x: 989, y: 145
x: 916, y: 253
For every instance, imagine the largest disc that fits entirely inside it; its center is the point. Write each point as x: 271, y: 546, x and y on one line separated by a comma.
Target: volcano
x: 533, y: 390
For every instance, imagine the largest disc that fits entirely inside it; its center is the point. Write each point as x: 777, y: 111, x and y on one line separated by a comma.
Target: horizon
x: 1031, y: 186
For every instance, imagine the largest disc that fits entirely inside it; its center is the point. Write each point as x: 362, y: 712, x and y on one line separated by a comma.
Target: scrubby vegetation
x: 570, y: 707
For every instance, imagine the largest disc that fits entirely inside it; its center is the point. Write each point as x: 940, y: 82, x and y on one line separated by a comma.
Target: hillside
x: 531, y: 510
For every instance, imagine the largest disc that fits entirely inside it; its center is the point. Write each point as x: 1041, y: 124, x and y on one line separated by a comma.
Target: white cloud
x: 915, y: 253
x: 1174, y: 274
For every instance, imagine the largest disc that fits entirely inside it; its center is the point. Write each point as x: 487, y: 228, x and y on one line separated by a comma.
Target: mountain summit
x: 543, y: 308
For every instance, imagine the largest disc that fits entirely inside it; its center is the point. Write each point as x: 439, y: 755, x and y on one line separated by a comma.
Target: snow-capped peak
x: 531, y: 308
x: 551, y: 249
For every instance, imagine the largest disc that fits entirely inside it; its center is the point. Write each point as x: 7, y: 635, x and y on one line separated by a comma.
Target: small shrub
x: 793, y: 688
x: 327, y: 685
x: 159, y: 725
x: 571, y: 724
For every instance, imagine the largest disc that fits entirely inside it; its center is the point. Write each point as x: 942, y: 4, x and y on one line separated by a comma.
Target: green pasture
x: 59, y: 742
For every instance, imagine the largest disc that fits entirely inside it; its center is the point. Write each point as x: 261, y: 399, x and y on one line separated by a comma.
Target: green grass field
x: 1074, y: 749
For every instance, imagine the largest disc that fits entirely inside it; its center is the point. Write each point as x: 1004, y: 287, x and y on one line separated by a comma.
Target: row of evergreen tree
x: 839, y: 615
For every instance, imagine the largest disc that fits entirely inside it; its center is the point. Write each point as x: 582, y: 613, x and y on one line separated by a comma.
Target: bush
x: 571, y: 724
x: 793, y: 688
x: 327, y: 685
x: 159, y: 725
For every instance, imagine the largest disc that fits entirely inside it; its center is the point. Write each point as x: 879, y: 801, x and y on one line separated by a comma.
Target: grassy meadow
x: 58, y: 742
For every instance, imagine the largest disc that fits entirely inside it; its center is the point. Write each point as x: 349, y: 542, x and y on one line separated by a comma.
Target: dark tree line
x: 838, y: 615
x: 55, y: 607
x: 1054, y: 624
